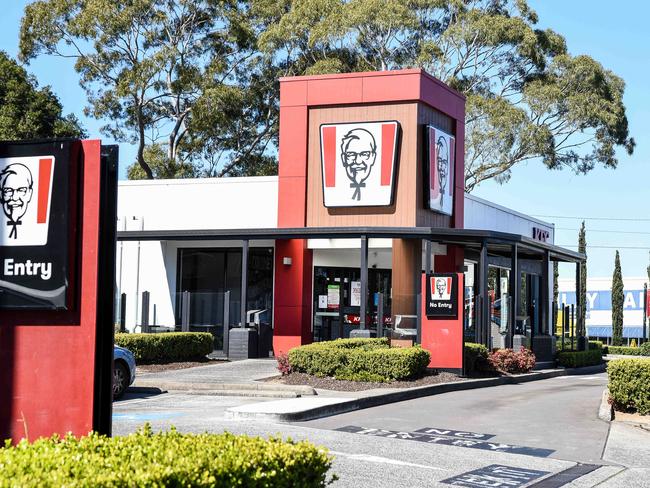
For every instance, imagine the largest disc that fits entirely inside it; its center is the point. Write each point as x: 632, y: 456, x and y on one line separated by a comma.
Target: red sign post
x: 56, y: 327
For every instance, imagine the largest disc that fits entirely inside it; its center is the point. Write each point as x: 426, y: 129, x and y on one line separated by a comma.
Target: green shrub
x: 359, y: 360
x: 628, y: 384
x: 645, y: 349
x: 166, y: 347
x: 624, y: 351
x: 164, y: 459
x: 476, y: 358
x: 577, y: 359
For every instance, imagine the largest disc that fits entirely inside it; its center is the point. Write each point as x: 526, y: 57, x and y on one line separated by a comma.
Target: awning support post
x: 364, y: 282
x: 244, y: 281
x: 515, y: 286
x: 483, y: 325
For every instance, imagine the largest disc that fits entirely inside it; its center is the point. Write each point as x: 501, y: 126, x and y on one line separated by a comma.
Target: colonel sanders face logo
x: 442, y: 151
x: 441, y: 286
x: 16, y: 192
x: 358, y: 154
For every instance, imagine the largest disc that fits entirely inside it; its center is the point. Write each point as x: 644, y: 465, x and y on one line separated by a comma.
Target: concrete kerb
x: 252, y: 389
x: 273, y: 411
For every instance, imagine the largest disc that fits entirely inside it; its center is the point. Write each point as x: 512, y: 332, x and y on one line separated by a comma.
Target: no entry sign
x: 35, y: 225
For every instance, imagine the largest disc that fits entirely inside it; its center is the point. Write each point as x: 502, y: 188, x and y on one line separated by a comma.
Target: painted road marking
x: 567, y: 476
x: 448, y: 441
x: 496, y: 476
x: 383, y: 460
x: 454, y: 433
x: 144, y: 417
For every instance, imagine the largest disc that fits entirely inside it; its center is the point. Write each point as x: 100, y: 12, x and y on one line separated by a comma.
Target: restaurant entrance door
x: 337, y: 300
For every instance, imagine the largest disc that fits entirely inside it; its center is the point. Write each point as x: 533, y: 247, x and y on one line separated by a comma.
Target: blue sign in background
x: 602, y: 299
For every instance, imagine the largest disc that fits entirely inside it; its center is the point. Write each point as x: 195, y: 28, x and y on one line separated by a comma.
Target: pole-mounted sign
x: 35, y: 226
x: 442, y: 295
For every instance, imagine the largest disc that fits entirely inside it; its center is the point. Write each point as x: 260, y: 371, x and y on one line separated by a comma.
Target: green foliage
x: 566, y: 342
x: 167, y: 347
x: 625, y: 351
x: 359, y: 360
x: 618, y: 298
x: 511, y: 361
x: 476, y: 358
x: 628, y: 384
x: 645, y: 348
x: 577, y: 359
x: 200, y: 77
x: 147, y: 459
x: 29, y: 112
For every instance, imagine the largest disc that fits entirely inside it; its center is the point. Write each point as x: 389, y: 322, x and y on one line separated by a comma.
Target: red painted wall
x: 293, y: 283
x: 47, y: 358
x: 443, y: 337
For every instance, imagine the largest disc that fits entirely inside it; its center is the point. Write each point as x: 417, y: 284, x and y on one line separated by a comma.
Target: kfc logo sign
x: 441, y: 295
x: 441, y: 165
x: 35, y: 224
x: 440, y: 288
x: 359, y: 163
x: 25, y: 195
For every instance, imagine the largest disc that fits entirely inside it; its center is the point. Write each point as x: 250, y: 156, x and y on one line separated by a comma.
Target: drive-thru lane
x: 556, y: 418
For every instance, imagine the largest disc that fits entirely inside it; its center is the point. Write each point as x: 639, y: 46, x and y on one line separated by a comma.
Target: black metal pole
x: 483, y: 325
x: 144, y: 322
x: 380, y: 315
x: 226, y: 322
x: 514, y: 294
x: 244, y: 281
x: 123, y: 312
x: 364, y: 282
x: 427, y: 257
x: 545, y: 302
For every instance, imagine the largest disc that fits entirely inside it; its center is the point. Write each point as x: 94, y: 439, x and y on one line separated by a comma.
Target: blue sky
x: 617, y: 37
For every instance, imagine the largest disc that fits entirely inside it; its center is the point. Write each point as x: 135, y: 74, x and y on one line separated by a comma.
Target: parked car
x: 123, y: 370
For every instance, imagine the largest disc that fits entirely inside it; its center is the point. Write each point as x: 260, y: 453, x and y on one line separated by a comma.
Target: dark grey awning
x: 469, y: 238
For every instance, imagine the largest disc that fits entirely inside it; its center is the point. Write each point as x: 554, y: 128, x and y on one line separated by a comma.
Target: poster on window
x: 441, y: 164
x: 359, y: 163
x: 441, y: 295
x: 333, y: 297
x: 355, y: 293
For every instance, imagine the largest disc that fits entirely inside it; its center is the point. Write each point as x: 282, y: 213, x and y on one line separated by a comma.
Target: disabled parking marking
x: 496, y: 475
x: 144, y: 417
x: 448, y: 440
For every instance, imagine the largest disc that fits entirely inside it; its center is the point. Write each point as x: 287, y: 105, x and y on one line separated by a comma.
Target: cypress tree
x: 617, y: 303
x: 582, y: 247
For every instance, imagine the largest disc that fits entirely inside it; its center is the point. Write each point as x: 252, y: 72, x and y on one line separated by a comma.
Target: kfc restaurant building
x: 365, y: 231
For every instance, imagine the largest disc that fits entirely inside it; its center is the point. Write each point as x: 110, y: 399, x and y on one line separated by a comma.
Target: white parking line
x: 383, y: 460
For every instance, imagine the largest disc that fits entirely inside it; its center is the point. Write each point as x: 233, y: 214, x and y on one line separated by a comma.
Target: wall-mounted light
x: 286, y: 261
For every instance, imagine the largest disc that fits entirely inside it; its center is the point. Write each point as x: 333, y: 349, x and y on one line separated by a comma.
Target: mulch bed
x: 430, y: 378
x: 155, y: 368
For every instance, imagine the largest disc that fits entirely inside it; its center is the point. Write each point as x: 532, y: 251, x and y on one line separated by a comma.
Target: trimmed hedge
x: 577, y: 359
x: 359, y: 360
x: 167, y: 347
x: 476, y: 358
x: 629, y: 381
x: 624, y: 351
x: 145, y: 459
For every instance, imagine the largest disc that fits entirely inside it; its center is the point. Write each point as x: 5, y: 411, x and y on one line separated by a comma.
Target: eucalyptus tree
x: 527, y: 96
x: 147, y: 65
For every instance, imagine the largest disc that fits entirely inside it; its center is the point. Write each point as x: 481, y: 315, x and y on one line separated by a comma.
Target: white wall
x: 481, y: 214
x: 207, y: 203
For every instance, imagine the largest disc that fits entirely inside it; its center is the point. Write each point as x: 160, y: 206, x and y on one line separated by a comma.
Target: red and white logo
x: 25, y: 196
x: 441, y: 287
x: 359, y: 162
x: 442, y: 164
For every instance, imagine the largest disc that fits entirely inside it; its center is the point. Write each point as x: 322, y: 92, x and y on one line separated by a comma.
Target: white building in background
x: 599, y: 306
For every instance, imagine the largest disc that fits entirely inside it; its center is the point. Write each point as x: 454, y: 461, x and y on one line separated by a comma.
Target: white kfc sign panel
x: 25, y: 195
x: 359, y: 163
x: 442, y: 164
